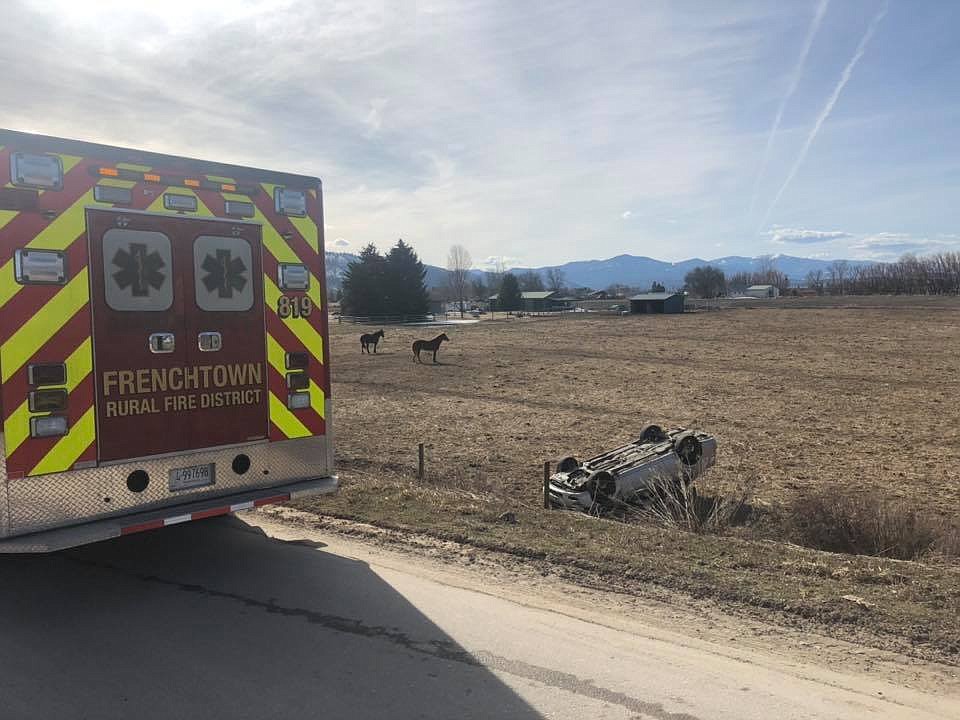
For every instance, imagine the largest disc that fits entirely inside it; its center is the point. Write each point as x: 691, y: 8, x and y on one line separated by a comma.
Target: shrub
x: 837, y: 520
x: 678, y: 505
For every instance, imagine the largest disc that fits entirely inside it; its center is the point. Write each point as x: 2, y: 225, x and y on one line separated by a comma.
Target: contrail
x: 828, y: 108
x: 794, y: 81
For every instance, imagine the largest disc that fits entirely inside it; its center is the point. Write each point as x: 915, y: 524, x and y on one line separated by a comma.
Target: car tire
x: 652, y: 433
x: 688, y: 448
x: 604, y: 486
x: 567, y: 464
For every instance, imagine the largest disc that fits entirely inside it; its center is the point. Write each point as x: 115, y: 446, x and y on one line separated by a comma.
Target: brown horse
x: 370, y: 339
x: 428, y: 346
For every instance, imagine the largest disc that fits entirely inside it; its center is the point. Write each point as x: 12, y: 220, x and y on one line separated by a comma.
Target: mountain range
x: 631, y: 270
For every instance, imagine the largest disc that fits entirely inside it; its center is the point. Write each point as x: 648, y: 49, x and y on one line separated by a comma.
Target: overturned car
x: 633, y: 472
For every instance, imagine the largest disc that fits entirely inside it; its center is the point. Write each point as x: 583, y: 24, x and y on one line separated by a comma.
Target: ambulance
x: 163, y: 341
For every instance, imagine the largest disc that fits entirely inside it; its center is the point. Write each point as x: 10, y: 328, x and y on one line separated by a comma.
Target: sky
x: 535, y: 132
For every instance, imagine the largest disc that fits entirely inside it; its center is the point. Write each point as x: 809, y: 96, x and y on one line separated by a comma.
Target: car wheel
x: 604, y: 486
x: 652, y: 433
x: 568, y: 464
x: 688, y: 448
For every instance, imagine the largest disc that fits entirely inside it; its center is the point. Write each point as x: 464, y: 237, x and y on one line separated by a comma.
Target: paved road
x: 219, y: 620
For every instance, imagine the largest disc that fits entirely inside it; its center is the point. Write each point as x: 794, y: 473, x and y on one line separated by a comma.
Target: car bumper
x: 570, y: 499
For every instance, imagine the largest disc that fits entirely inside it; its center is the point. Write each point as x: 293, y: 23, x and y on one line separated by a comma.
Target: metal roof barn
x: 656, y: 303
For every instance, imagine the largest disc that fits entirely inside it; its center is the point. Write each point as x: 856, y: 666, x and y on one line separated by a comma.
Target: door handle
x: 209, y: 341
x: 162, y: 342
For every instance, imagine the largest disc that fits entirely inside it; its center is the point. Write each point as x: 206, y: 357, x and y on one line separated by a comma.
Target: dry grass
x: 800, y: 400
x: 684, y: 507
x: 837, y: 520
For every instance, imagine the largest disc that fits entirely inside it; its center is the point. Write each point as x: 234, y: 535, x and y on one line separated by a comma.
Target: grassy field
x: 801, y: 400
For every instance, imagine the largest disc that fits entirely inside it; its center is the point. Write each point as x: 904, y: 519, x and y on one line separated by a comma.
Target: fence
x: 384, y: 319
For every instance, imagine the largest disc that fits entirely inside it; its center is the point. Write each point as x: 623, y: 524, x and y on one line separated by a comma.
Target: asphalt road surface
x: 219, y: 619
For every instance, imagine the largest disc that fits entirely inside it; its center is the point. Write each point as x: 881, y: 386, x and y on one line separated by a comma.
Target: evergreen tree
x: 363, y: 284
x: 392, y: 285
x: 406, y: 289
x: 509, y: 293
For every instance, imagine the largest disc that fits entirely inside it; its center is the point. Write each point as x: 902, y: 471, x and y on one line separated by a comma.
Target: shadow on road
x: 214, y: 619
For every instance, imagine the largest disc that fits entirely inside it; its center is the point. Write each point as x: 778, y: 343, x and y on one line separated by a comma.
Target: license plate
x: 191, y: 477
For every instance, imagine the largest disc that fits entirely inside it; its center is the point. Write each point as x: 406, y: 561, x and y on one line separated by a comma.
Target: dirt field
x: 798, y: 398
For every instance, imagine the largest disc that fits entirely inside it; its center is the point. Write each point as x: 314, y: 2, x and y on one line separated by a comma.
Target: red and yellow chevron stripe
x: 53, y: 324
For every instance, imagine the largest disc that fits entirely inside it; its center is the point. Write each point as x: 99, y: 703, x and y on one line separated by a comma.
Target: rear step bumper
x: 63, y: 538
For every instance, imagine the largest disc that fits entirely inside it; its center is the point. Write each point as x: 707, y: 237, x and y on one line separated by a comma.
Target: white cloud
x: 784, y: 235
x: 340, y: 243
x: 890, y: 245
x: 626, y: 215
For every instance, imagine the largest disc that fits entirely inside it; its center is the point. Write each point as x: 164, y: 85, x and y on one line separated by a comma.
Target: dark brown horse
x: 428, y: 346
x: 370, y: 339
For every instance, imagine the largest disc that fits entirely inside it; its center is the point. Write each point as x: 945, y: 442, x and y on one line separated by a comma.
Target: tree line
x: 937, y: 274
x: 394, y: 284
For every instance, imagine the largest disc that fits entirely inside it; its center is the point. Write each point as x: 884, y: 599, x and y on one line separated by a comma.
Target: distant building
x: 541, y: 301
x: 657, y: 303
x: 763, y: 291
x: 598, y: 295
x: 436, y: 304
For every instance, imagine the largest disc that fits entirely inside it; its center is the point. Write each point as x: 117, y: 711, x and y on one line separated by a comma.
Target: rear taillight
x: 298, y: 400
x: 42, y: 401
x: 297, y: 361
x: 298, y: 381
x: 47, y: 374
x: 48, y: 426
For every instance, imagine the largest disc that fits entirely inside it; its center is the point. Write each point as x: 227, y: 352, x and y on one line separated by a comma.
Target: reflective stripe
x: 69, y: 162
x: 17, y: 427
x: 277, y: 357
x: 305, y: 332
x: 203, y: 514
x: 36, y: 331
x: 288, y: 423
x: 70, y: 447
x: 7, y: 215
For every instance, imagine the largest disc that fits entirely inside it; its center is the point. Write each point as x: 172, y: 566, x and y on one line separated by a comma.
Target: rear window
x: 221, y: 269
x: 137, y: 265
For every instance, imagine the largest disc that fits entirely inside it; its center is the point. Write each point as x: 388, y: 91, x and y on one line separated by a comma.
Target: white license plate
x: 191, y: 477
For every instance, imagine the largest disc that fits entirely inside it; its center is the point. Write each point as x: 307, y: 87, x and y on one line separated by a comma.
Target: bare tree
x: 555, y: 279
x: 530, y: 281
x: 838, y: 275
x: 815, y: 281
x: 459, y: 263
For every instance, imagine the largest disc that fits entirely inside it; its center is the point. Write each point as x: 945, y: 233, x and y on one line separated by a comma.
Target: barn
x: 660, y: 302
x: 763, y: 291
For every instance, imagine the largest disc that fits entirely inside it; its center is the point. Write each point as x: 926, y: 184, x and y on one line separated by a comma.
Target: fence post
x: 420, y: 464
x: 546, y: 484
